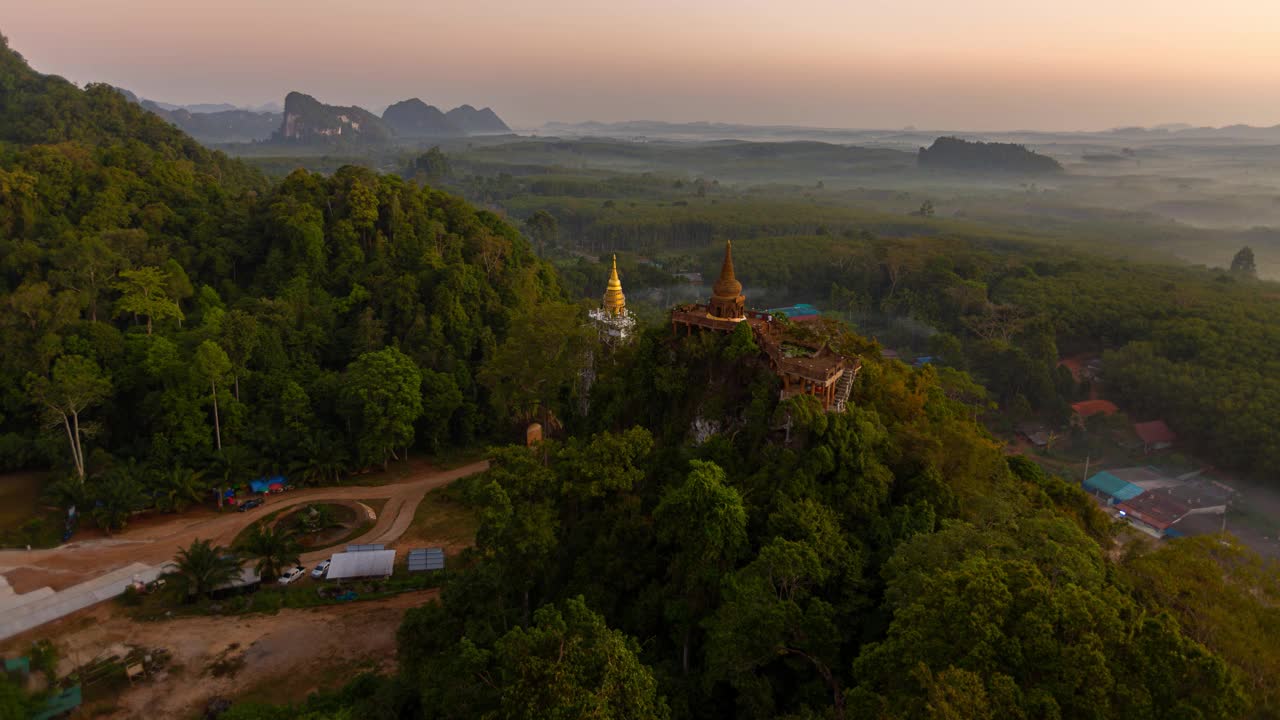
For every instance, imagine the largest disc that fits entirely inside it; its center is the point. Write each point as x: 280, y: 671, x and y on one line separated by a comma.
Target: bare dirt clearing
x: 280, y: 657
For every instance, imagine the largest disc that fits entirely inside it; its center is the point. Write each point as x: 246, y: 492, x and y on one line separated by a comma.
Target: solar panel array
x: 365, y: 548
x: 426, y: 559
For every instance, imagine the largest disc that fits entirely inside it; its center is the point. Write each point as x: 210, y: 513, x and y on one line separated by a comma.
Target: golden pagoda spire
x: 727, y: 286
x: 615, y: 303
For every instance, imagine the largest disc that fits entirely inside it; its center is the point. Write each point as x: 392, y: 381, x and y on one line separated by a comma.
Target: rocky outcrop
x: 307, y: 120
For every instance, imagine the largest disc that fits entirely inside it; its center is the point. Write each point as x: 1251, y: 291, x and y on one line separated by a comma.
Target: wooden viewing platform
x: 815, y: 370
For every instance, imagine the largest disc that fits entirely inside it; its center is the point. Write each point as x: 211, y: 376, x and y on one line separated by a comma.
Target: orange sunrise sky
x: 977, y: 64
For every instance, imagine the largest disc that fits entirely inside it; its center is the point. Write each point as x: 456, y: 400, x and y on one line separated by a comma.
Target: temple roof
x: 727, y: 286
x: 614, y: 301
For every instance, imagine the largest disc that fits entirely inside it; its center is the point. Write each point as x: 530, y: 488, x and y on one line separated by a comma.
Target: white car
x: 321, y: 569
x: 291, y: 574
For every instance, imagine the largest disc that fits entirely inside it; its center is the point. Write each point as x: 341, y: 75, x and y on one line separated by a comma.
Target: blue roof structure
x: 264, y: 484
x: 795, y: 311
x: 1108, y: 484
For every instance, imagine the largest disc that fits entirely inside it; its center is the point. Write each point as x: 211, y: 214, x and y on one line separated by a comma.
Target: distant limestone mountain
x: 307, y: 120
x: 225, y: 126
x: 477, y: 122
x: 952, y: 153
x: 212, y: 126
x: 415, y: 119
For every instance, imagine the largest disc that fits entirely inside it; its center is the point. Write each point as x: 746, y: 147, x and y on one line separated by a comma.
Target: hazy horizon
x: 992, y: 65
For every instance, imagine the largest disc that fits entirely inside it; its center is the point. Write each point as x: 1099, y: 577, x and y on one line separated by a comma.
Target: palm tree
x: 323, y: 460
x: 233, y: 465
x: 180, y: 488
x: 117, y: 497
x: 202, y: 567
x: 275, y: 547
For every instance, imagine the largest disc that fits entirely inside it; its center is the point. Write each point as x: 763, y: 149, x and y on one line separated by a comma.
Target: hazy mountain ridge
x: 414, y: 118
x: 477, y: 122
x: 745, y: 131
x: 305, y: 120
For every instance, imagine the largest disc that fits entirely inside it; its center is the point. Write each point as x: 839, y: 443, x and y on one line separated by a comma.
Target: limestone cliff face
x: 307, y: 120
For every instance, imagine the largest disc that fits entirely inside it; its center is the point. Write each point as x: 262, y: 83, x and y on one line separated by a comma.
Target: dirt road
x: 158, y: 540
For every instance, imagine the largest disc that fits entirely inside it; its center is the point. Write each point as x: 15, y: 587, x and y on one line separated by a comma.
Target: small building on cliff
x: 805, y: 366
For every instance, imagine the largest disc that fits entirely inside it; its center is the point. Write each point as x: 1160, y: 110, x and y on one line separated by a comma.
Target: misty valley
x: 332, y: 412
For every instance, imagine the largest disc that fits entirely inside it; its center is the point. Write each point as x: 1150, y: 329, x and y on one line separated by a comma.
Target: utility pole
x: 1086, y: 469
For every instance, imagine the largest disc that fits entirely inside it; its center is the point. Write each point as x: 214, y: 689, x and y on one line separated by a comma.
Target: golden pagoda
x: 612, y: 319
x: 615, y: 303
x: 727, y: 301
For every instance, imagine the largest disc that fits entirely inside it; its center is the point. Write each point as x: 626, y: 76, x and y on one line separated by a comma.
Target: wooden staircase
x: 843, y: 387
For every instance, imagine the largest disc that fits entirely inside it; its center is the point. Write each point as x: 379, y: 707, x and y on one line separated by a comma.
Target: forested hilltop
x: 953, y: 153
x: 172, y: 321
x: 685, y: 544
x: 888, y: 561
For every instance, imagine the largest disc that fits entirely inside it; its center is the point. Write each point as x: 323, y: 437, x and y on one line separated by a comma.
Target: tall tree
x: 86, y: 264
x: 212, y: 364
x: 543, y: 228
x: 145, y: 292
x: 1244, y: 264
x: 705, y: 522
x: 75, y: 385
x: 542, y: 358
x: 382, y: 394
x: 569, y: 664
x: 239, y: 337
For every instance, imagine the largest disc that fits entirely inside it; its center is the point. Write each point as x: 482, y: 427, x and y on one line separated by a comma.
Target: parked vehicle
x: 292, y: 574
x: 250, y: 504
x: 321, y: 569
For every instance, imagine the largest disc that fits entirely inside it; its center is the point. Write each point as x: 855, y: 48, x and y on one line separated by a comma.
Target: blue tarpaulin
x: 60, y: 704
x: 264, y: 484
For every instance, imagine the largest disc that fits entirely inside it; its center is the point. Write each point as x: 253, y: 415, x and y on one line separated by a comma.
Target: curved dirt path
x: 157, y: 542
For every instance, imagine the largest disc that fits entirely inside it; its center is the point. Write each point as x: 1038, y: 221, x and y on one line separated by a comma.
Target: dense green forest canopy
x: 998, y: 296
x: 687, y: 545
x: 888, y: 561
x: 168, y: 310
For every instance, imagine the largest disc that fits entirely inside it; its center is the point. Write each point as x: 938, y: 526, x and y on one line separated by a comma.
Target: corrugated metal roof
x: 1108, y: 484
x: 1156, y: 509
x: 1089, y: 408
x: 370, y: 563
x: 1154, y: 432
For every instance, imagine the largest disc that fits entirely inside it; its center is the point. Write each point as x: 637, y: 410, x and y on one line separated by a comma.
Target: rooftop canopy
x: 1155, y: 432
x: 1089, y: 408
x: 1108, y: 484
x: 371, y: 563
